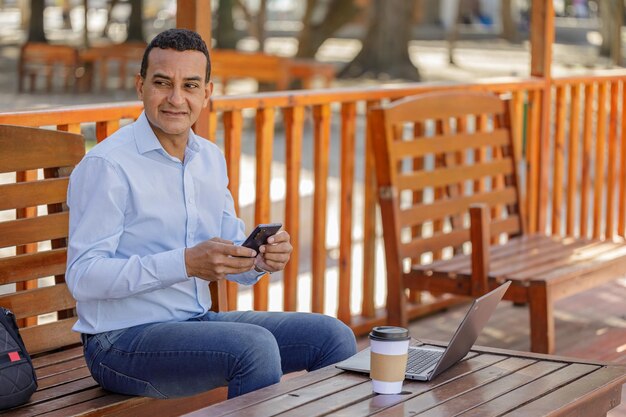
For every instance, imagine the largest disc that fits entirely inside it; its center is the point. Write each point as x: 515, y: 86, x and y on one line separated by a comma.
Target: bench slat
x: 583, y: 256
x: 64, y: 378
x: 606, y: 260
x: 440, y: 144
x: 55, y: 149
x: 441, y: 209
x: 497, y: 253
x: 38, y: 301
x: 51, y: 392
x: 61, y: 367
x: 35, y: 229
x: 35, y: 193
x: 448, y: 176
x: 32, y: 265
x: 440, y: 107
x: 514, y: 245
x: 454, y: 238
x: 49, y: 336
x: 148, y: 407
x: 63, y: 406
x: 533, y: 259
x: 57, y: 357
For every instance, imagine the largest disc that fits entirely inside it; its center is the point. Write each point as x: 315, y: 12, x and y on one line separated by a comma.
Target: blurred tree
x: 135, y: 22
x: 65, y: 13
x: 35, y: 25
x: 612, y: 18
x: 319, y: 27
x: 385, y: 50
x: 509, y: 27
x: 256, y: 22
x: 224, y: 31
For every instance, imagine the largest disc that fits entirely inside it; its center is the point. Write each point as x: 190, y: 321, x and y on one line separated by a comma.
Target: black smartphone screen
x: 260, y: 234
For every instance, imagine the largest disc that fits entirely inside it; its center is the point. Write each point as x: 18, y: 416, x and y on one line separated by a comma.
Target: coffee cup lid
x: 389, y: 333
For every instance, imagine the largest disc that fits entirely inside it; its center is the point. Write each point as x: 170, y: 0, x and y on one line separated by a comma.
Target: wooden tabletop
x: 488, y: 382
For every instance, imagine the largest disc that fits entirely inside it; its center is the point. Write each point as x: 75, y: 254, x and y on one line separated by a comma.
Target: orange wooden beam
x: 541, y: 41
x: 196, y: 15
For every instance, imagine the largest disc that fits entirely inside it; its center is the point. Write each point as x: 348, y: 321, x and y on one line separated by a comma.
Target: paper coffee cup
x: 389, y: 351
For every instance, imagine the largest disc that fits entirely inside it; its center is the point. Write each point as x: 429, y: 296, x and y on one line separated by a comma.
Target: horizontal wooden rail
x: 311, y: 127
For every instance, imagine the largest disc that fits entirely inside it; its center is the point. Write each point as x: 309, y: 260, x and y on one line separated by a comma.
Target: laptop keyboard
x: 421, y: 359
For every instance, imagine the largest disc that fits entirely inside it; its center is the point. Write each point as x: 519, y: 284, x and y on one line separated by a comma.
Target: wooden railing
x: 335, y: 119
x: 589, y: 157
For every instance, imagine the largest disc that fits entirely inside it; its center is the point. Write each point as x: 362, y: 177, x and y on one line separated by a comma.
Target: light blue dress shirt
x: 133, y: 211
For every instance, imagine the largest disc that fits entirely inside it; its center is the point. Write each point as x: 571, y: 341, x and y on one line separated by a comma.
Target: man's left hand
x: 275, y: 254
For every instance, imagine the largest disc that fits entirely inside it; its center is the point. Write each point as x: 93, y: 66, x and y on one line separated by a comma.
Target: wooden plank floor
x: 591, y: 325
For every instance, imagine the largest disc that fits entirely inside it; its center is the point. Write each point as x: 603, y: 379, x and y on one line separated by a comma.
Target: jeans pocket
x: 98, y: 343
x: 119, y: 382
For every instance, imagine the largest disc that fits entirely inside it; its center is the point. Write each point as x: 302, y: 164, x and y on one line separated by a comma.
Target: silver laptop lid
x: 466, y: 334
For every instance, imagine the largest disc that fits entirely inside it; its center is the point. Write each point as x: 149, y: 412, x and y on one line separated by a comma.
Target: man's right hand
x: 213, y: 259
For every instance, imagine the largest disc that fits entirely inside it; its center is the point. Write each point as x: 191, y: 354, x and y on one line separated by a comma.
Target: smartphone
x: 260, y: 234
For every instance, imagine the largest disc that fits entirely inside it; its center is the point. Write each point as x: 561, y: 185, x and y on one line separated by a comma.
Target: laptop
x: 426, y: 362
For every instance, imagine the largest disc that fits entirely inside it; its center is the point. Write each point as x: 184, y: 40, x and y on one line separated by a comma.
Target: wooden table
x: 488, y: 382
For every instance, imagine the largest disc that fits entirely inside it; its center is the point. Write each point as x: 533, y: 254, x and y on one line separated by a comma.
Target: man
x: 151, y: 221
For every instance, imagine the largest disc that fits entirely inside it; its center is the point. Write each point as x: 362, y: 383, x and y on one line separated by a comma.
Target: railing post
x: 321, y: 146
x: 294, y: 121
x: 233, y: 126
x: 541, y: 40
x: 264, y: 142
x: 348, y: 131
x: 368, y: 308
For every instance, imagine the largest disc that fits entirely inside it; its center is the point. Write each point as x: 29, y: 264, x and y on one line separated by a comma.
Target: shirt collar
x: 147, y: 141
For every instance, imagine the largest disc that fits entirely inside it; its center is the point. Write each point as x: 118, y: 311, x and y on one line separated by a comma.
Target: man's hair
x: 180, y: 40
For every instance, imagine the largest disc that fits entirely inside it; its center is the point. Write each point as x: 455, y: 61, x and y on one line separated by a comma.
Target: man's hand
x: 275, y: 254
x: 213, y: 259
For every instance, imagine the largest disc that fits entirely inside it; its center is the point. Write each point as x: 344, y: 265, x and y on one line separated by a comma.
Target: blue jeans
x: 244, y: 350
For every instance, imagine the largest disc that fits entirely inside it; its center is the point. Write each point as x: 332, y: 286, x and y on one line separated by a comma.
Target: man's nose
x: 175, y: 96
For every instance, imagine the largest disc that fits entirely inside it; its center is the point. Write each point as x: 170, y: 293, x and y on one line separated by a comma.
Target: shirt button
x: 190, y: 200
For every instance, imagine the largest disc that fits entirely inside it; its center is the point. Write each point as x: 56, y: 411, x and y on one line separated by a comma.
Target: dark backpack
x: 17, y: 376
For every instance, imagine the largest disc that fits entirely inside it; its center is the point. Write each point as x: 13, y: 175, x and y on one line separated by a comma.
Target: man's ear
x: 139, y: 86
x: 208, y: 91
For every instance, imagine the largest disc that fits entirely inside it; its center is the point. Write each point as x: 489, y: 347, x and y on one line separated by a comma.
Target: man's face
x: 174, y: 91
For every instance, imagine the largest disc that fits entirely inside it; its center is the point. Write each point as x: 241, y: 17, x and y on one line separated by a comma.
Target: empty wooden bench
x: 227, y: 64
x: 47, y: 62
x: 119, y: 61
x: 34, y: 169
x: 443, y: 158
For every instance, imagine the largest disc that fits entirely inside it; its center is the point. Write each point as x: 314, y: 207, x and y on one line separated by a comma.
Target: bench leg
x: 33, y: 81
x: 541, y: 310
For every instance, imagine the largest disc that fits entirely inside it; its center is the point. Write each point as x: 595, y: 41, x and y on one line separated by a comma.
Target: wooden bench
x: 122, y: 61
x: 443, y: 158
x: 280, y: 71
x: 34, y: 169
x: 48, y: 61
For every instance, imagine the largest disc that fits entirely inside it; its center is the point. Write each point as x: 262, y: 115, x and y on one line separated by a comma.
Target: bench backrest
x: 34, y: 169
x: 46, y: 54
x: 227, y: 64
x: 437, y: 154
x: 126, y: 57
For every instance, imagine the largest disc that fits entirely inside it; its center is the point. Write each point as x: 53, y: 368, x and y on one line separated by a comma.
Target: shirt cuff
x: 171, y: 267
x: 246, y: 278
